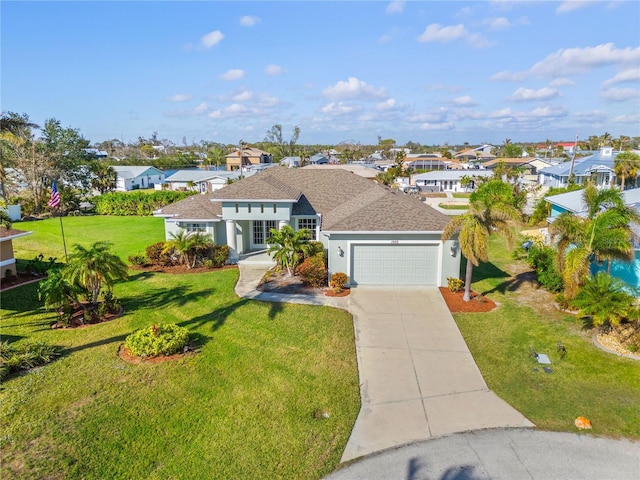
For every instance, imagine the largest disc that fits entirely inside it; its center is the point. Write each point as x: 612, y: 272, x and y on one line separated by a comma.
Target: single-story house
x: 203, y: 181
x: 318, y: 159
x: 129, y: 177
x: 475, y: 155
x: 247, y: 156
x: 290, y: 162
x: 574, y: 202
x: 426, y: 162
x: 374, y: 234
x: 598, y: 168
x: 448, y: 180
x: 7, y: 261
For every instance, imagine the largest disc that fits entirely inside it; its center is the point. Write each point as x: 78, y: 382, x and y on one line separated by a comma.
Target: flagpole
x: 64, y: 242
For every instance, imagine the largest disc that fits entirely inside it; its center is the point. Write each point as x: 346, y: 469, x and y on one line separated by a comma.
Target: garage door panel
x: 375, y: 264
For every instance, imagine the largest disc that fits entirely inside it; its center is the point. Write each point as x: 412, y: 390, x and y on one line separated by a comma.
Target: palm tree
x: 15, y: 124
x: 604, y: 300
x: 180, y: 243
x: 626, y: 164
x: 288, y: 246
x: 104, y: 178
x: 56, y: 291
x: 94, y: 267
x: 604, y: 234
x: 199, y: 244
x: 491, y: 210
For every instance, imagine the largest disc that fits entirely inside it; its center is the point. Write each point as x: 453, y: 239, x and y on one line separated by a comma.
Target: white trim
x: 439, y: 243
x: 5, y: 263
x: 197, y: 220
x: 253, y: 200
x: 382, y: 232
x: 18, y: 235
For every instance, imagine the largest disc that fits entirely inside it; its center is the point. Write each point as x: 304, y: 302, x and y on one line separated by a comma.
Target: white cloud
x: 590, y: 117
x: 233, y: 74
x: 437, y: 33
x: 353, y: 89
x: 530, y: 94
x: 386, y: 38
x: 633, y: 119
x: 437, y: 126
x: 386, y: 105
x: 249, y: 21
x: 233, y: 110
x: 581, y: 60
x: 179, y: 97
x: 273, y: 69
x: 571, y: 5
x: 436, y: 115
x: 631, y: 75
x: 338, y: 108
x: 441, y: 86
x: 464, y: 100
x: 396, y: 6
x: 211, y: 38
x: 571, y: 61
x: 200, y: 109
x: 620, y: 94
x: 243, y: 96
x: 500, y: 23
x: 561, y: 82
x: 265, y: 100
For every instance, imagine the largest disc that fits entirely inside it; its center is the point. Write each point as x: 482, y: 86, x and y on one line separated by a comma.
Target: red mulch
x: 456, y: 304
x: 330, y: 293
x: 77, y: 319
x: 178, y: 269
x: 19, y: 279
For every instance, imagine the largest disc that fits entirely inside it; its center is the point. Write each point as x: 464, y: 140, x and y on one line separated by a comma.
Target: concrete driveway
x: 418, y: 379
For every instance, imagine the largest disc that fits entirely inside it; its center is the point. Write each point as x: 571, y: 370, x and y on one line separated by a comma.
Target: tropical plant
x: 289, y: 247
x: 5, y: 219
x: 180, y: 243
x: 604, y: 299
x: 57, y: 292
x: 15, y: 358
x: 491, y: 210
x: 155, y: 340
x: 313, y: 271
x: 104, y: 177
x: 604, y: 234
x: 626, y: 165
x: 93, y: 267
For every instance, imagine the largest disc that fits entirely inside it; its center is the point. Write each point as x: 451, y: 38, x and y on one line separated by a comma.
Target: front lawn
x: 248, y: 404
x: 129, y: 235
x: 587, y: 382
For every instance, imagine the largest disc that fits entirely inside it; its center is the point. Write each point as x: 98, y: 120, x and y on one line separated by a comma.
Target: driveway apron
x: 418, y: 379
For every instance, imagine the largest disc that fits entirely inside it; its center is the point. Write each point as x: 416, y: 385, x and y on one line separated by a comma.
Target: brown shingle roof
x: 194, y: 207
x: 346, y: 201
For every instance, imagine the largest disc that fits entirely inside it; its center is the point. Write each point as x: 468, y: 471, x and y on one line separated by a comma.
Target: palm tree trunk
x: 467, y: 281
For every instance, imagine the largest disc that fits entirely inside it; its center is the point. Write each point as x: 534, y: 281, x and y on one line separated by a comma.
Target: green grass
x: 454, y: 206
x: 461, y: 195
x: 242, y: 406
x: 129, y: 235
x: 588, y: 382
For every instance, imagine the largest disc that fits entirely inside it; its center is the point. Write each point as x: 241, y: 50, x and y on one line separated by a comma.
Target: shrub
x: 542, y: 259
x: 139, y: 260
x: 155, y: 254
x: 155, y: 340
x: 315, y: 248
x: 313, y: 271
x: 339, y: 280
x: 455, y: 284
x: 39, y: 265
x: 136, y: 203
x: 219, y: 255
x: 30, y: 355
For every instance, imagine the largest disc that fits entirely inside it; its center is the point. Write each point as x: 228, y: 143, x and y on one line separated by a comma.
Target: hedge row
x: 136, y: 203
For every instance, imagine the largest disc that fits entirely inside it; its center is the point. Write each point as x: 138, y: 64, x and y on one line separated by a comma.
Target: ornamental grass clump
x: 16, y: 358
x: 157, y: 340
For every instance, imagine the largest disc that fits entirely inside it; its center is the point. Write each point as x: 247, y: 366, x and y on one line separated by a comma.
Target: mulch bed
x: 19, y: 279
x: 456, y: 304
x: 178, y: 269
x: 77, y: 319
x: 280, y: 282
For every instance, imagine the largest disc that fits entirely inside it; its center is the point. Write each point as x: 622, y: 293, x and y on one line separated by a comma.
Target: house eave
x: 382, y: 232
x: 18, y: 235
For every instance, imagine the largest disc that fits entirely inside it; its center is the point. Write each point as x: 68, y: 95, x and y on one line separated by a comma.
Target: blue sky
x: 427, y: 72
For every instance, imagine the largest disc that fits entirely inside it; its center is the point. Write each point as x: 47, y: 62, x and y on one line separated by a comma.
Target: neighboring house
x: 94, y: 152
x: 133, y: 177
x: 203, y: 181
x: 447, y: 180
x: 573, y: 202
x: 475, y: 155
x: 247, y: 156
x: 374, y: 234
x: 290, y: 162
x: 528, y: 167
x: 597, y: 168
x: 426, y: 161
x: 318, y: 159
x: 7, y: 261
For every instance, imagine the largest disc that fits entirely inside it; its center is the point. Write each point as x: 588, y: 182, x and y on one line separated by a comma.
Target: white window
x: 262, y: 230
x: 310, y: 224
x: 195, y: 227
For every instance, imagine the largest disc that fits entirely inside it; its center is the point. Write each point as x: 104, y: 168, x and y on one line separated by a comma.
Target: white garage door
x: 394, y: 264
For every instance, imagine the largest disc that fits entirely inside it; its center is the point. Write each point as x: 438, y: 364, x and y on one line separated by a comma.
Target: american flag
x: 54, y: 201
